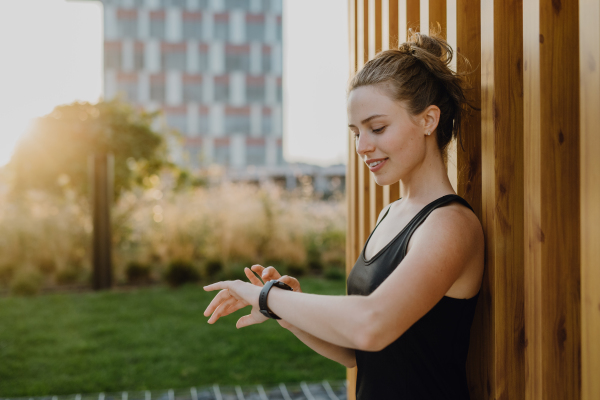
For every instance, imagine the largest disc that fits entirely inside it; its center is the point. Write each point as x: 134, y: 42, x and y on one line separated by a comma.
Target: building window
x: 176, y: 118
x: 237, y: 58
x: 266, y: 58
x: 138, y: 56
x: 204, y: 120
x: 192, y: 25
x: 221, y: 25
x: 222, y: 88
x: 237, y: 120
x: 266, y: 121
x: 157, y: 88
x: 243, y: 4
x: 127, y: 86
x: 221, y: 151
x: 278, y: 32
x: 112, y: 55
x: 255, y: 89
x: 192, y: 88
x: 157, y: 24
x: 175, y: 3
x: 279, y: 90
x: 139, y: 3
x: 280, y: 160
x: 255, y: 27
x: 265, y: 5
x: 127, y: 23
x: 255, y: 151
x: 203, y: 57
x: 173, y: 56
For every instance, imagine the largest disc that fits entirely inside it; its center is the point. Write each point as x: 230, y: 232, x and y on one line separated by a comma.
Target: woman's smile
x: 376, y: 164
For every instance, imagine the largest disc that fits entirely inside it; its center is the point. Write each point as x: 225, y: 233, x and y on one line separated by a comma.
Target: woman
x: 412, y: 292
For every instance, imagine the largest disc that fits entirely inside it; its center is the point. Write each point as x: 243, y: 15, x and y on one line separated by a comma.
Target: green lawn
x: 151, y: 338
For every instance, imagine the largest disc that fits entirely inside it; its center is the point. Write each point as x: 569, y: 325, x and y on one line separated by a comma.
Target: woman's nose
x: 364, y: 144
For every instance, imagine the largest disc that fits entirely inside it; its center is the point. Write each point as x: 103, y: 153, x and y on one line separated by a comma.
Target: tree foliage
x: 55, y: 152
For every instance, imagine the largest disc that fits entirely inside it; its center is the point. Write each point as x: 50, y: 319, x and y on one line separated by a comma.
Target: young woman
x: 412, y: 292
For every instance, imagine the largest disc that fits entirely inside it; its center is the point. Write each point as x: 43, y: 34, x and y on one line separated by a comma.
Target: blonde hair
x: 418, y: 74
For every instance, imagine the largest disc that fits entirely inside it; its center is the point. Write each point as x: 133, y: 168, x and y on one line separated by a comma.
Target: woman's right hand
x: 270, y: 274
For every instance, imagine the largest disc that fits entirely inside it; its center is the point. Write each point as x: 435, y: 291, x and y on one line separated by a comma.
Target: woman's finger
x: 217, y: 286
x: 292, y: 282
x: 219, y: 298
x: 252, y: 278
x: 253, y: 318
x: 270, y: 274
x: 221, y: 310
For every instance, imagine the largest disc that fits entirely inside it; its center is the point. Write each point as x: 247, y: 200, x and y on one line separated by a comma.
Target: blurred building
x: 213, y: 66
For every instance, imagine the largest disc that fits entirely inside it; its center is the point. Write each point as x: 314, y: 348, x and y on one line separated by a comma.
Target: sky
x: 52, y: 54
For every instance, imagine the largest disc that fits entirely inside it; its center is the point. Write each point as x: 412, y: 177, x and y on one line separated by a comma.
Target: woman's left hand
x: 233, y: 296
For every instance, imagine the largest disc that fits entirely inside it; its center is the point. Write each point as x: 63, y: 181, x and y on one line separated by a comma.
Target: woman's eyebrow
x: 364, y: 121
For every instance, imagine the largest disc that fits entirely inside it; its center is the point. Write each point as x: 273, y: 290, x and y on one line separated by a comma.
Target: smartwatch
x: 262, y: 298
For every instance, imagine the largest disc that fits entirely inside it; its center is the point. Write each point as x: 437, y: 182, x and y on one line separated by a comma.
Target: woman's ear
x: 430, y: 118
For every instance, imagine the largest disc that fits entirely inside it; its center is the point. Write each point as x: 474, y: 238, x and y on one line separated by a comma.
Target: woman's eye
x: 379, y: 130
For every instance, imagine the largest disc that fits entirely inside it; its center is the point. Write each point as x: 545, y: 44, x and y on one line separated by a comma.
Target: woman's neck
x: 427, y: 181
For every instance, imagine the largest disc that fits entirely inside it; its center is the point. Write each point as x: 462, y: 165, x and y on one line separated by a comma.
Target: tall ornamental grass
x: 159, y: 234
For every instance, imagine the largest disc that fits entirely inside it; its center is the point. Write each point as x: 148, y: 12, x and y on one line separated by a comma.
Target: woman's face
x: 387, y: 138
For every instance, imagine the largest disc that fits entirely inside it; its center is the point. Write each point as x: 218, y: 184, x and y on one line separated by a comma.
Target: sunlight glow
x: 51, y: 54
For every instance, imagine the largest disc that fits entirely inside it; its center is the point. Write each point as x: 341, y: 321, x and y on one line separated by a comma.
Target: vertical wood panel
x: 502, y: 193
x: 469, y: 184
x: 437, y: 15
x: 413, y: 15
x: 589, y: 36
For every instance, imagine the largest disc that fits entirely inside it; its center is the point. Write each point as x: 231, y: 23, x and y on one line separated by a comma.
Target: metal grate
x: 292, y: 391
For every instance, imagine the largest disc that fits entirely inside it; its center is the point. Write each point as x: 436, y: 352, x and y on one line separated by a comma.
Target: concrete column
x: 173, y: 29
x: 208, y: 149
x: 270, y: 30
x: 217, y: 120
x: 174, y: 89
x: 193, y: 5
x: 217, y: 5
x: 276, y: 6
x: 143, y: 23
x: 110, y: 84
x: 255, y: 6
x: 192, y: 57
x: 237, y: 150
x: 237, y: 89
x: 110, y: 23
x: 277, y: 58
x: 207, y: 25
x: 237, y: 26
x: 208, y: 88
x: 270, y: 151
x: 153, y: 4
x: 152, y: 55
x: 277, y: 113
x: 217, y: 57
x: 192, y: 119
x: 143, y: 87
x: 270, y: 90
x: 127, y: 55
x: 255, y: 120
x: 255, y: 58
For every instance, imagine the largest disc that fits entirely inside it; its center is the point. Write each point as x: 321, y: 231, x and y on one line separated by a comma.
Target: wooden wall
x: 529, y: 165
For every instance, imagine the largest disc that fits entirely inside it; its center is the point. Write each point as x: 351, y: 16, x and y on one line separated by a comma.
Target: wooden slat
x: 469, y: 184
x: 589, y: 53
x: 553, y: 312
x: 502, y: 193
x: 437, y: 15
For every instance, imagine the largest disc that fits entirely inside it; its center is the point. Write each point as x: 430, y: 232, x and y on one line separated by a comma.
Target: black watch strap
x: 262, y: 298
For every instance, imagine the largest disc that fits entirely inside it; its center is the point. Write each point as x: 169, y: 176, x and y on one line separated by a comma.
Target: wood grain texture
x: 559, y: 190
x: 589, y: 67
x: 502, y: 193
x: 469, y: 183
x: 533, y: 201
x: 413, y: 15
x: 437, y: 15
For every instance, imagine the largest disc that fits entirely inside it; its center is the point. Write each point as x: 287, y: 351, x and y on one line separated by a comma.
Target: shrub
x: 335, y: 274
x: 137, y: 272
x: 294, y: 269
x: 180, y: 272
x: 6, y: 273
x: 212, y: 268
x: 69, y: 275
x: 27, y: 282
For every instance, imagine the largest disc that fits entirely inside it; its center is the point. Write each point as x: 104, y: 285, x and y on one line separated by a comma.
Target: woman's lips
x: 378, y: 166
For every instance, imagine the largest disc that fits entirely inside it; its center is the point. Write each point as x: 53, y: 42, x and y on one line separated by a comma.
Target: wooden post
x: 589, y: 83
x: 101, y: 178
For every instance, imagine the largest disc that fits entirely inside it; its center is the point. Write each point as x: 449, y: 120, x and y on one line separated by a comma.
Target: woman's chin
x: 383, y: 180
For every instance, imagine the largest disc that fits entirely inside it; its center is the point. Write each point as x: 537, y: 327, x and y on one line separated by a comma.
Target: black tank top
x: 427, y: 361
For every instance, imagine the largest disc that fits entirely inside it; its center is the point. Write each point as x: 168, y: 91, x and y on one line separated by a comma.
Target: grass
x: 150, y: 338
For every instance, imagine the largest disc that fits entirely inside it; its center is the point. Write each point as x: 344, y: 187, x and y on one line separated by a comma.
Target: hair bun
x: 406, y: 48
